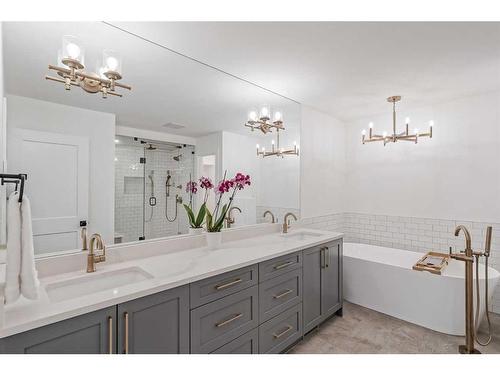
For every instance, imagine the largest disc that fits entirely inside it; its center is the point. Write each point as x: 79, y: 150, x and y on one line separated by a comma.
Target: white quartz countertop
x: 166, y: 270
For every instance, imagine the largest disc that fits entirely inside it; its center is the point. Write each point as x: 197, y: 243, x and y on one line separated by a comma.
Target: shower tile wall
x: 160, y: 162
x: 129, y: 191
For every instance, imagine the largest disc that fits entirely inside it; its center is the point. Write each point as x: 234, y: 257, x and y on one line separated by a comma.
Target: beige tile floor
x: 365, y: 331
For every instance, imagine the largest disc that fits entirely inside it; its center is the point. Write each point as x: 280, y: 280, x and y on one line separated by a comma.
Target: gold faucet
x: 229, y: 218
x: 83, y: 235
x: 92, y: 258
x: 286, y: 222
x: 272, y: 216
x: 467, y: 256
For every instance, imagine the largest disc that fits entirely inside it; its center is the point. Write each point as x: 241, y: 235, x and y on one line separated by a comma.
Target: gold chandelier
x: 70, y: 70
x: 394, y: 137
x: 263, y: 123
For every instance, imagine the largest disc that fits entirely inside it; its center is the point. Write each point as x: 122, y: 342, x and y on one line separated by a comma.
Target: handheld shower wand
x: 168, y: 184
x: 178, y: 199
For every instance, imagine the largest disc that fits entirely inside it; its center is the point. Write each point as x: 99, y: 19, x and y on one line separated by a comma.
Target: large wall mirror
x: 120, y: 165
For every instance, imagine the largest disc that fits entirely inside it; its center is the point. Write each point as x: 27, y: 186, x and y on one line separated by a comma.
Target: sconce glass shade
x: 278, y: 116
x: 252, y: 116
x: 112, y: 62
x: 100, y: 70
x: 265, y: 113
x: 59, y: 59
x: 72, y: 49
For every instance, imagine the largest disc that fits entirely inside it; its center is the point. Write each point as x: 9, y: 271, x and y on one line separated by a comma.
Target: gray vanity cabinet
x: 92, y: 333
x: 155, y: 324
x: 322, y: 283
x: 331, y: 280
x: 261, y: 308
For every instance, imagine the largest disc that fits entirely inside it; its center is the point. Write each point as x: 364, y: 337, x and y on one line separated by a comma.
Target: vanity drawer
x: 245, y: 344
x: 279, y: 266
x: 217, y: 323
x: 213, y: 288
x: 279, y: 333
x: 280, y: 293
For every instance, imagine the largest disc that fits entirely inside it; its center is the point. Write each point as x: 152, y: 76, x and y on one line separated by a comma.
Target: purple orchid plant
x: 196, y: 220
x: 215, y: 220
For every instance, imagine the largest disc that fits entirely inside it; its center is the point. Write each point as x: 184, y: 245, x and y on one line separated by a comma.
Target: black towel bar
x: 18, y: 179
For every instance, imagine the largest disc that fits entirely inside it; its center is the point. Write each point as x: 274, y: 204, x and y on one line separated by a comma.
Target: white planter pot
x: 214, y: 240
x: 195, y: 231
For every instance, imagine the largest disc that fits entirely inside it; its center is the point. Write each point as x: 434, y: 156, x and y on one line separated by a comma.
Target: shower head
x: 177, y: 158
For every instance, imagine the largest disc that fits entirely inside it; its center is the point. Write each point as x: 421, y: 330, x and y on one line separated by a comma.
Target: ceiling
x: 166, y: 87
x: 346, y: 69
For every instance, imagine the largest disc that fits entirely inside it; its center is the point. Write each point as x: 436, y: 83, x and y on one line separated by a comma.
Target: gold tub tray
x: 432, y: 262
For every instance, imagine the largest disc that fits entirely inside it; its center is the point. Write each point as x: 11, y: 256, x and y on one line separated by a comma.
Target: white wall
x: 455, y: 175
x: 99, y: 127
x: 238, y: 155
x: 322, y: 164
x: 210, y: 144
x: 3, y: 199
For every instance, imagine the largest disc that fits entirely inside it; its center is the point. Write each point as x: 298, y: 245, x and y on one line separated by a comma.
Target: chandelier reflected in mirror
x: 263, y: 123
x: 71, y: 70
x: 394, y: 137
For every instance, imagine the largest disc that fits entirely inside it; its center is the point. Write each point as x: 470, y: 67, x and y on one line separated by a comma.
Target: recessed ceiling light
x: 117, y: 141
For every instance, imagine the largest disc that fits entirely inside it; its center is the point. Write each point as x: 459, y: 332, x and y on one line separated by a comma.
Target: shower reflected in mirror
x: 149, y: 180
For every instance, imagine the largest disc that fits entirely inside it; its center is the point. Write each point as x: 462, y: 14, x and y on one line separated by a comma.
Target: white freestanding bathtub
x: 382, y: 279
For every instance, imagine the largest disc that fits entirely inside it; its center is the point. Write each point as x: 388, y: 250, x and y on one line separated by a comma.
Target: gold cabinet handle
x: 283, y: 265
x: 281, y: 295
x: 227, y: 285
x: 125, y: 315
x: 224, y: 322
x: 278, y: 335
x: 110, y: 334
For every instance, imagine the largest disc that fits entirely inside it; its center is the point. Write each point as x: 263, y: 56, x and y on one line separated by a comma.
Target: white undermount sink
x: 302, y: 235
x: 94, y: 282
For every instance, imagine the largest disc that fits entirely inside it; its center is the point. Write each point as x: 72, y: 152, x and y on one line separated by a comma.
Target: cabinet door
x: 245, y: 344
x: 156, y: 324
x: 331, y: 286
x: 311, y: 281
x: 92, y: 333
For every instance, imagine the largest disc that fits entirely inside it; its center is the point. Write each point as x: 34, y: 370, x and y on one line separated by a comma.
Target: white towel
x: 21, y: 275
